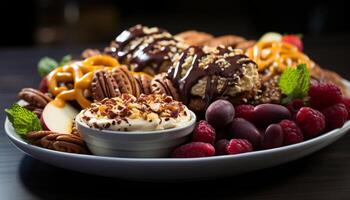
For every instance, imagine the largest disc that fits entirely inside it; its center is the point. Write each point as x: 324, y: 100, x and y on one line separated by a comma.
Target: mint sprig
x: 294, y: 83
x: 23, y: 120
x: 47, y: 64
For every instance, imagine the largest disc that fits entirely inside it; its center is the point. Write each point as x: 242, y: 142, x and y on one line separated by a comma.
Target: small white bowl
x: 147, y: 144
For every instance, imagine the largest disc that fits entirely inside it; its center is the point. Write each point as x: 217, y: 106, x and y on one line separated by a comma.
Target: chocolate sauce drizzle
x: 213, y: 71
x: 143, y: 55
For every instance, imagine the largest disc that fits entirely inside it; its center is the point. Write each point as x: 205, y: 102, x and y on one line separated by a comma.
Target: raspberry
x: 244, y: 111
x: 194, y: 150
x: 220, y: 147
x: 236, y: 146
x: 291, y: 132
x: 295, y: 105
x: 204, y: 132
x: 324, y: 94
x: 310, y: 121
x: 346, y: 102
x: 335, y: 115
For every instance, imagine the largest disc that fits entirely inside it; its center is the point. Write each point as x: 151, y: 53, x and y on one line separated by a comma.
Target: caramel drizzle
x: 213, y: 71
x: 81, y: 73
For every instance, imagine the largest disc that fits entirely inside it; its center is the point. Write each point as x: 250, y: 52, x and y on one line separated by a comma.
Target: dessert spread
x: 128, y: 113
x: 247, y: 95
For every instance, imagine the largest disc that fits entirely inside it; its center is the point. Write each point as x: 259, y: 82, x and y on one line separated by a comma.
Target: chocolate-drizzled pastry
x: 145, y: 49
x: 203, y: 75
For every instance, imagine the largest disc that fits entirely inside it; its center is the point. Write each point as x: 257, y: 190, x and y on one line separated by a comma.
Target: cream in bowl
x: 126, y: 126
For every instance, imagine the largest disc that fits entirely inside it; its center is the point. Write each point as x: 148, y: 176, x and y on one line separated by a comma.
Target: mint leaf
x: 65, y: 60
x: 23, y: 120
x: 46, y: 65
x: 295, y: 82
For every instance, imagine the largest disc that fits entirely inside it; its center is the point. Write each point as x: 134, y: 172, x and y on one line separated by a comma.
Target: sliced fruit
x: 58, y: 119
x: 271, y: 37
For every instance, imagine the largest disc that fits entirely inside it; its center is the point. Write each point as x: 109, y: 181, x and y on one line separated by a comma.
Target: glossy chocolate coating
x: 213, y: 71
x: 143, y: 47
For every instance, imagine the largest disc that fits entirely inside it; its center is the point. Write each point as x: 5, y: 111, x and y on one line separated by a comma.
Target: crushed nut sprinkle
x: 119, y: 110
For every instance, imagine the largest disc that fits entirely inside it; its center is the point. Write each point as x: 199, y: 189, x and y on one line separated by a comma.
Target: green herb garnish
x: 47, y: 64
x: 23, y: 120
x: 295, y: 82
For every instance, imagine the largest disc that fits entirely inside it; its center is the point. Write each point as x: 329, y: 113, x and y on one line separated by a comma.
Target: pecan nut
x: 144, y: 82
x: 103, y: 85
x: 126, y: 81
x: 34, y: 97
x: 160, y: 84
x: 58, y: 141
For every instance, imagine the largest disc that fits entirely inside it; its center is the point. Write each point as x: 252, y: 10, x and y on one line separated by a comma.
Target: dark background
x: 78, y: 22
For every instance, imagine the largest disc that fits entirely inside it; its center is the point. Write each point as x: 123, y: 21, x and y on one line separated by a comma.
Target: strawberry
x: 294, y: 40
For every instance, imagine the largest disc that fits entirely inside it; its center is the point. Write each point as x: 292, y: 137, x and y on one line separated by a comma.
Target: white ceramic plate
x: 158, y: 169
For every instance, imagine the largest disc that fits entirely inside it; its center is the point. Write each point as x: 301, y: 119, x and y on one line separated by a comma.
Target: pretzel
x: 277, y: 56
x: 81, y: 73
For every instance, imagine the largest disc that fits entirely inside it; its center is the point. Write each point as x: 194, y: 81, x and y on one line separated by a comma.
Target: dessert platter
x: 157, y: 106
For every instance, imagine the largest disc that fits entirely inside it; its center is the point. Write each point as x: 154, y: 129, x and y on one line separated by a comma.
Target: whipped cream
x: 128, y: 113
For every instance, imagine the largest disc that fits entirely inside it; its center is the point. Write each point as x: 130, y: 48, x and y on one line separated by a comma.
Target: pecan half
x: 160, y: 84
x: 34, y: 97
x: 58, y: 141
x: 104, y: 85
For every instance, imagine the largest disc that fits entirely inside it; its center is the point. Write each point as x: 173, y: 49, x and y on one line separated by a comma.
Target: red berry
x: 236, y: 146
x: 43, y: 86
x: 335, y: 115
x: 311, y: 121
x: 291, y: 132
x: 346, y: 102
x: 244, y: 111
x: 193, y: 150
x: 294, y: 40
x: 204, y: 132
x: 324, y: 94
x: 220, y: 147
x: 295, y: 105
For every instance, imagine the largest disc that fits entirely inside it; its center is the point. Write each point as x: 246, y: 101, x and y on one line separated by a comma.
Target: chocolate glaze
x: 142, y: 55
x: 213, y: 71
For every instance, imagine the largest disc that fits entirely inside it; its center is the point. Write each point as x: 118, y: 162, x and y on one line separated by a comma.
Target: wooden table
x: 323, y: 175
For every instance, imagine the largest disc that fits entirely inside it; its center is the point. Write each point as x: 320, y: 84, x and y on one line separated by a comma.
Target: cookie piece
x: 194, y: 38
x: 225, y: 40
x: 34, y: 97
x: 245, y: 44
x: 103, y: 85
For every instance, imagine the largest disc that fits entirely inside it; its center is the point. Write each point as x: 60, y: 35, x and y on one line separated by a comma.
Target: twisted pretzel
x: 81, y: 73
x: 276, y: 56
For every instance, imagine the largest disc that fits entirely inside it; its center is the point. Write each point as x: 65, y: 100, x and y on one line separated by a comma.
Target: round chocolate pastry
x: 202, y: 75
x: 145, y: 49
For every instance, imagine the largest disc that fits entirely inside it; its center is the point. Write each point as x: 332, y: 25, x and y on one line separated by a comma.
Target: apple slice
x: 58, y: 119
